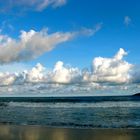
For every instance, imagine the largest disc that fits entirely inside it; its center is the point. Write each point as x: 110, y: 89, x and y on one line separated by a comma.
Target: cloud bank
x: 113, y: 70
x: 108, y: 76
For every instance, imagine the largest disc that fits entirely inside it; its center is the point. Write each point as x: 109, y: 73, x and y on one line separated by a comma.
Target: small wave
x: 107, y: 104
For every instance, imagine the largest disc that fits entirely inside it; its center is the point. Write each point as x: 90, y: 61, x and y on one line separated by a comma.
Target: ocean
x: 72, y: 112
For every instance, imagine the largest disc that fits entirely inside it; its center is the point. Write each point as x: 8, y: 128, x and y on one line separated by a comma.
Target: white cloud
x: 25, y: 5
x: 35, y: 74
x: 105, y: 70
x: 32, y: 44
x: 127, y: 20
x: 90, y: 31
x: 54, y: 3
x: 62, y: 74
x: 115, y: 70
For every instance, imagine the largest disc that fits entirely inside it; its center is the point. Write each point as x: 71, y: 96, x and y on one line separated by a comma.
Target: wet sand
x: 12, y: 132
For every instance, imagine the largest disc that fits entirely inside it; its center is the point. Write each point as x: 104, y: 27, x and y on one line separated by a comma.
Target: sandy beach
x: 14, y: 132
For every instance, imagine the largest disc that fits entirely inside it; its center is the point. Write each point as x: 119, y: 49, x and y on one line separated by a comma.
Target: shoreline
x: 68, y: 127
x: 38, y: 132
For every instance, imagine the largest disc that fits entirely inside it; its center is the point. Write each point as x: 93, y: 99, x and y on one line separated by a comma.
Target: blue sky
x: 74, y: 15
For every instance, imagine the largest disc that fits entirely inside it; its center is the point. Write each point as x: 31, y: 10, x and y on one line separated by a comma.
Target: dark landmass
x: 137, y: 94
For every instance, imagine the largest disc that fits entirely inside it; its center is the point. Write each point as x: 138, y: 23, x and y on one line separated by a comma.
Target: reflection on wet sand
x: 9, y: 132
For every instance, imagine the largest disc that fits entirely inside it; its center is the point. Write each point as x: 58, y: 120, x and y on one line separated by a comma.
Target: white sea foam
x: 105, y: 104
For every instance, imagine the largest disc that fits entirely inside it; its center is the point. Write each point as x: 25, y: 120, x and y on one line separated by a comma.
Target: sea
x: 72, y: 112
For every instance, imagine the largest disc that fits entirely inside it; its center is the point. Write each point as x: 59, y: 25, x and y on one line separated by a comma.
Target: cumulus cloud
x: 115, y: 70
x: 32, y: 44
x: 34, y: 5
x: 109, y: 76
x: 35, y: 74
x: 62, y: 74
x: 127, y: 20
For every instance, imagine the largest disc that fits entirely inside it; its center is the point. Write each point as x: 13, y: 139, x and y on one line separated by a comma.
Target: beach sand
x: 13, y: 132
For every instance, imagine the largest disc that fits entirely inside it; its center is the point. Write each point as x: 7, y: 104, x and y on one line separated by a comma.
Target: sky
x: 68, y: 42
